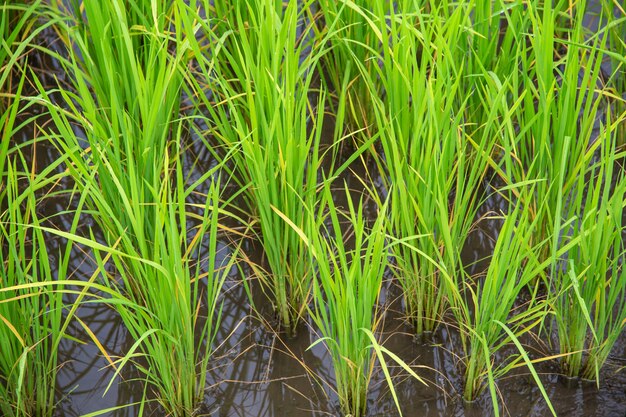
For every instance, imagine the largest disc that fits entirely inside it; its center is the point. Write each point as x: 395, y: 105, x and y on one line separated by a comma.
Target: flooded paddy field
x: 312, y: 208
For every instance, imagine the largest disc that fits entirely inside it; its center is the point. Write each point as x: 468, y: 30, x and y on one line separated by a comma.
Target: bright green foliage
x: 444, y: 96
x: 590, y: 288
x: 556, y: 142
x: 492, y: 300
x: 266, y: 116
x: 32, y: 314
x: 31, y: 319
x: 347, y: 286
x: 433, y: 166
x: 128, y: 92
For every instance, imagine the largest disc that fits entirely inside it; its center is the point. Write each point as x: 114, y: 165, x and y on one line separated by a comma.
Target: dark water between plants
x: 257, y: 372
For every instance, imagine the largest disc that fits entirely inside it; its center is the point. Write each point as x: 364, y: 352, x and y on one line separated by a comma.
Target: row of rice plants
x: 555, y: 97
x: 447, y: 101
x: 264, y: 109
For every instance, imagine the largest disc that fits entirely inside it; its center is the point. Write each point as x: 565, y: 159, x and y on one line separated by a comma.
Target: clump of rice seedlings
x: 431, y: 165
x: 32, y: 316
x: 353, y: 40
x: 177, y: 313
x: 346, y: 288
x: 30, y: 320
x: 553, y: 141
x: 492, y: 320
x: 261, y: 79
x: 614, y: 18
x: 590, y: 289
x: 126, y: 161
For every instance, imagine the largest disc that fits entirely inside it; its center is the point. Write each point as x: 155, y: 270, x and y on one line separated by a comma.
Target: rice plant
x: 352, y: 41
x: 264, y: 112
x: 350, y: 264
x: 32, y: 316
x: 432, y: 166
x: 554, y: 139
x: 126, y: 160
x: 176, y: 342
x: 348, y: 284
x: 591, y: 288
x: 492, y: 317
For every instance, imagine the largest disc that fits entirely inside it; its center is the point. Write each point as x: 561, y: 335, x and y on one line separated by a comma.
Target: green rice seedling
x: 32, y: 319
x: 263, y: 111
x: 346, y: 295
x: 614, y: 17
x: 347, y: 286
x: 127, y: 75
x: 432, y: 166
x: 180, y: 296
x: 348, y: 283
x: 554, y: 145
x: 553, y: 141
x: 490, y: 305
x: 590, y: 312
x: 494, y: 297
x: 353, y: 41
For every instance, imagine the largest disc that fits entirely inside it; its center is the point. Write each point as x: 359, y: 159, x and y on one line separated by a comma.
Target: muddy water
x: 256, y: 372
